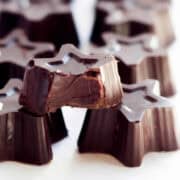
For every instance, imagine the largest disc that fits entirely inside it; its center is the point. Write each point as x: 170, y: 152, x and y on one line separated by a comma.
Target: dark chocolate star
x: 17, y: 49
x: 140, y: 57
x: 71, y: 78
x: 42, y: 22
x: 71, y: 60
x: 143, y: 122
x: 130, y: 50
x: 9, y: 103
x: 136, y: 20
x: 128, y: 19
x: 24, y: 137
x: 140, y: 97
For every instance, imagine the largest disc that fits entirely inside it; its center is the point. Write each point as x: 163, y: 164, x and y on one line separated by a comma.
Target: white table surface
x: 68, y: 164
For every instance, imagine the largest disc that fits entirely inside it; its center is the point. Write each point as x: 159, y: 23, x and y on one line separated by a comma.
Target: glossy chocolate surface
x: 16, y: 51
x: 71, y: 78
x: 139, y: 58
x: 22, y: 134
x: 142, y: 123
x: 25, y: 137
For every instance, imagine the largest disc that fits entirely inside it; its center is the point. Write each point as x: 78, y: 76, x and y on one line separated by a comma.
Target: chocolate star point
x: 140, y: 97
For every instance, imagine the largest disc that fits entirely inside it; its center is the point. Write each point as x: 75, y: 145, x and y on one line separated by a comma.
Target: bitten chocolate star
x: 16, y: 51
x: 139, y: 58
x: 143, y: 122
x: 130, y: 20
x: 71, y: 78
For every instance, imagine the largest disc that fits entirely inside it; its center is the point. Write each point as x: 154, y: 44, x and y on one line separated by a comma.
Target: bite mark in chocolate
x: 71, y: 78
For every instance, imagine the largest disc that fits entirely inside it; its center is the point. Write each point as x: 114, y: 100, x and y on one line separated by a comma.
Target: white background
x: 69, y: 165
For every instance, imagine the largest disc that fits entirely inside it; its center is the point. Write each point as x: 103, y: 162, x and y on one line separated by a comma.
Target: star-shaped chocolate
x: 15, y: 52
x: 17, y: 49
x: 130, y: 20
x: 25, y: 137
x: 70, y: 60
x: 139, y: 58
x: 42, y: 22
x: 130, y: 50
x: 142, y: 123
x: 138, y: 98
x: 71, y: 78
